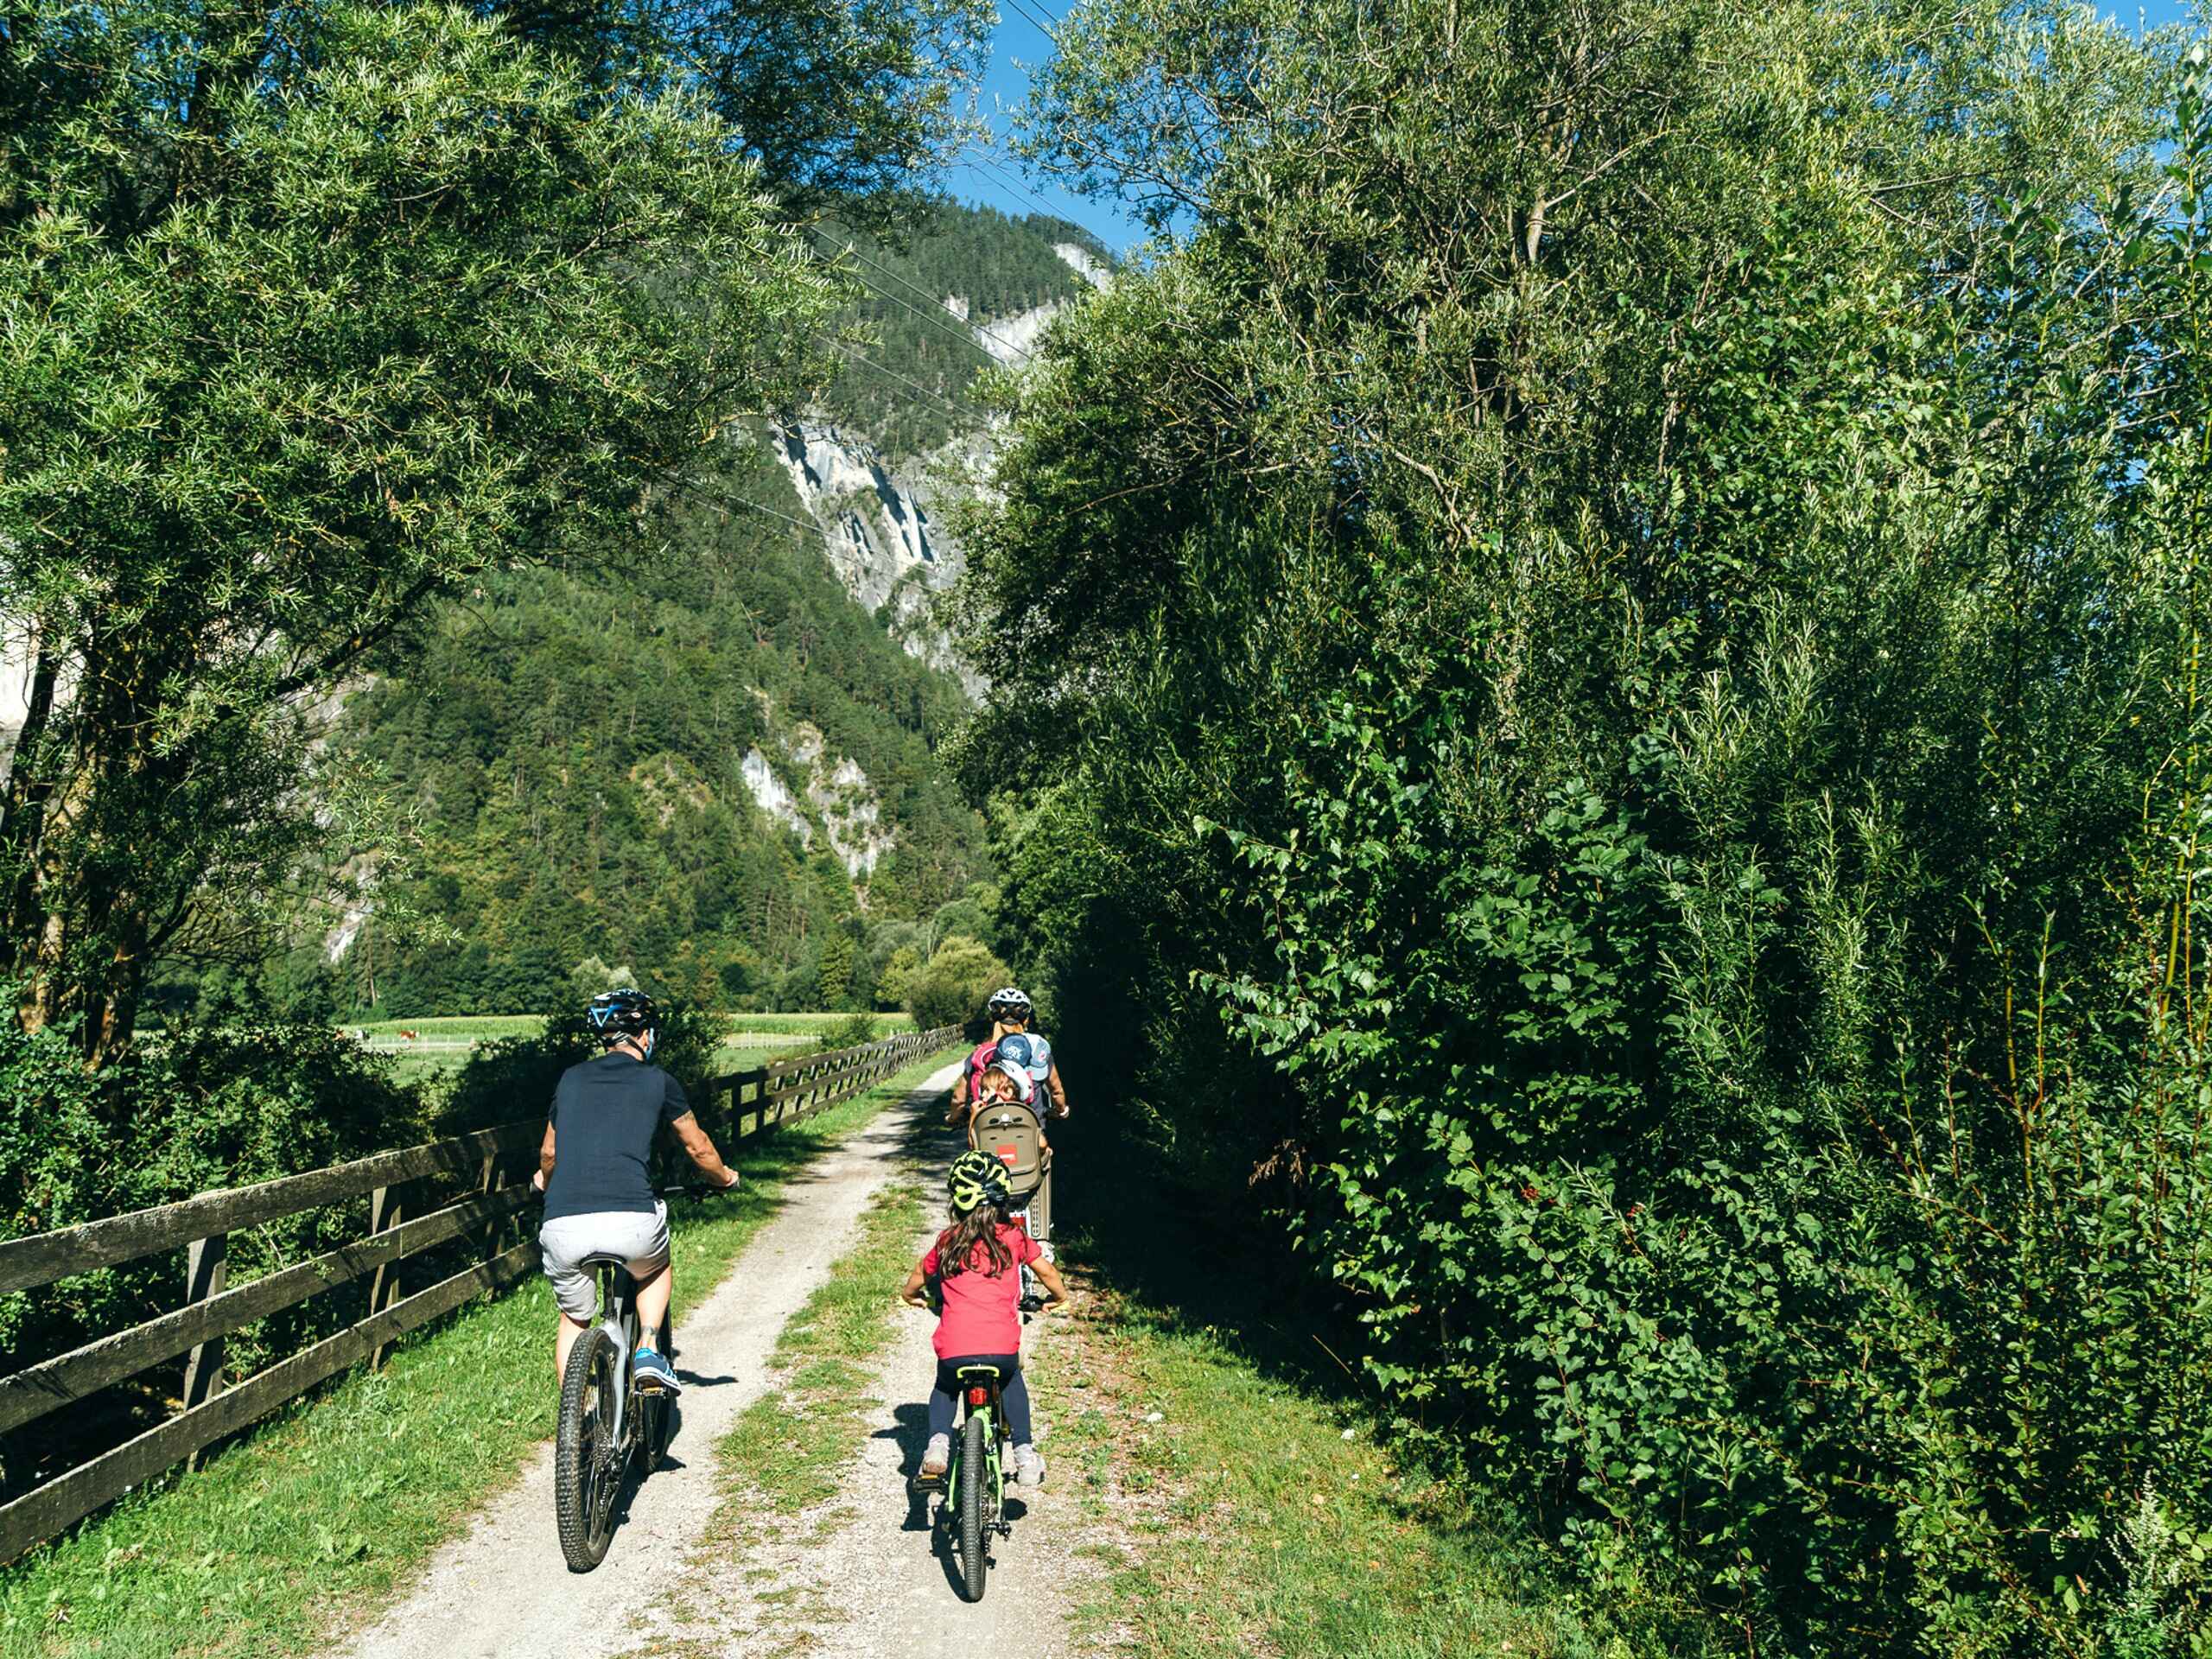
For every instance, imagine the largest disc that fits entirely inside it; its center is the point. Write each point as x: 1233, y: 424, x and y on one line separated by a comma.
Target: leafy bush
x: 201, y: 1109
x: 514, y: 1077
x: 1637, y: 778
x: 950, y: 989
x: 851, y: 1032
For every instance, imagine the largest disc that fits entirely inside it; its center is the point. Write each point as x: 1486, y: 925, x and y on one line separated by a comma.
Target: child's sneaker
x: 936, y: 1456
x: 649, y: 1370
x: 1028, y: 1465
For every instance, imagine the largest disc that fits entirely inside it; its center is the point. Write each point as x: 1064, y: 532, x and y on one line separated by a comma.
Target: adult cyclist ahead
x: 1012, y: 1045
x: 599, y: 1192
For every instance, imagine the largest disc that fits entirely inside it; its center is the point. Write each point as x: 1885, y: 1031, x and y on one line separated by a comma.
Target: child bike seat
x: 1012, y: 1132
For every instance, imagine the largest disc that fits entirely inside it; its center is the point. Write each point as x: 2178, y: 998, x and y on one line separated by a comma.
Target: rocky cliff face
x: 879, y: 531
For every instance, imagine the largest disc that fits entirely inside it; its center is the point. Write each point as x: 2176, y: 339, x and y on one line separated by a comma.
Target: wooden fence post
x: 206, y: 1270
x: 490, y: 1179
x: 386, y: 1211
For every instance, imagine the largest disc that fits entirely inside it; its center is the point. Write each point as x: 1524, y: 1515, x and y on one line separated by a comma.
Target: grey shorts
x: 639, y: 1239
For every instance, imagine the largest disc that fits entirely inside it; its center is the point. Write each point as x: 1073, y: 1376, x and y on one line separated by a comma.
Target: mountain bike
x: 975, y: 1481
x: 608, y: 1422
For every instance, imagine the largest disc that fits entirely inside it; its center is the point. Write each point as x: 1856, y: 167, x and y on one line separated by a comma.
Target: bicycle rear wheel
x: 975, y: 1475
x: 587, y: 1465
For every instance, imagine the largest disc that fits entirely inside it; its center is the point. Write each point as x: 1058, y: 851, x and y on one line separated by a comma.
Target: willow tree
x: 1616, y: 623
x: 307, y: 314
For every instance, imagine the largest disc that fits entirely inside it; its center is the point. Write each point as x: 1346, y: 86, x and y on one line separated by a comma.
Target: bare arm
x: 1049, y: 1277
x: 544, y: 1160
x: 702, y: 1150
x: 1059, y: 1094
x: 911, y: 1292
x: 957, y: 1112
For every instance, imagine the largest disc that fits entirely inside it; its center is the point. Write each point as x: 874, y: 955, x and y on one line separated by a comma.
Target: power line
x: 1050, y: 29
x: 739, y: 501
x: 937, y: 318
x: 925, y: 294
x: 1009, y: 182
x: 902, y: 380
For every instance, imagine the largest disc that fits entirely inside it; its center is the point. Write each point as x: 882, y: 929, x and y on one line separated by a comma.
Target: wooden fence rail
x: 738, y: 1107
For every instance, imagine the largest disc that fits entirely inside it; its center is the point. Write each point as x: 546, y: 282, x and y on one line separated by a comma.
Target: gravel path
x: 502, y: 1591
x: 866, y: 1577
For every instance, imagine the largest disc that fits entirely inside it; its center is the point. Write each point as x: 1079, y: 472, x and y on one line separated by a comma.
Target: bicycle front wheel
x: 975, y: 1475
x: 588, y: 1464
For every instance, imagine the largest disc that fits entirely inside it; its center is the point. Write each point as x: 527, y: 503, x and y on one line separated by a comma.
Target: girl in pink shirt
x: 976, y: 1268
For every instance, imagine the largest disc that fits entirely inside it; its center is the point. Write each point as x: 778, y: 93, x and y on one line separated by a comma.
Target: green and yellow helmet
x: 976, y: 1178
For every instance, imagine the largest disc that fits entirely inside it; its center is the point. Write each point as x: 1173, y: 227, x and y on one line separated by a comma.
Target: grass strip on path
x: 320, y: 1517
x: 1238, y: 1514
x: 786, y: 1450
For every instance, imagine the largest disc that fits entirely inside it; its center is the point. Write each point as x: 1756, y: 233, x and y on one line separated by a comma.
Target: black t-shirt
x: 605, y: 1115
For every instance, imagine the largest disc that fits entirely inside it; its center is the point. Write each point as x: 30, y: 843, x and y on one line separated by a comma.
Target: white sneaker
x: 936, y: 1456
x: 1028, y: 1465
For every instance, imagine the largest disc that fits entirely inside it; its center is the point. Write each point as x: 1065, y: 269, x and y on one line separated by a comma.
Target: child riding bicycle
x: 975, y: 1269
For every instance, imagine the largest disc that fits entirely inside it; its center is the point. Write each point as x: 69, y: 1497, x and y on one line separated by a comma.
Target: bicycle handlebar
x: 695, y: 1190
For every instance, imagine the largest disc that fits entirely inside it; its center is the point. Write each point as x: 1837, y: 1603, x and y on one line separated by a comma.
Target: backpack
x: 985, y: 1055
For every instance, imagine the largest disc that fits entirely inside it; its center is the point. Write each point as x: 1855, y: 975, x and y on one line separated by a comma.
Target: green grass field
x: 443, y: 1043
x: 309, y: 1525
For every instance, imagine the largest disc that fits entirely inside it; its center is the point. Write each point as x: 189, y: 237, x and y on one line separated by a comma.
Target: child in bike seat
x: 1016, y: 1049
x: 975, y: 1268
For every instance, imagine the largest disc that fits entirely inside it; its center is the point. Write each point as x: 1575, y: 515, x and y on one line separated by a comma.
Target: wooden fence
x: 737, y: 1106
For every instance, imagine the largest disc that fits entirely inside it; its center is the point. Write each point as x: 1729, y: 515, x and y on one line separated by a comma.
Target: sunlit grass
x: 314, y: 1521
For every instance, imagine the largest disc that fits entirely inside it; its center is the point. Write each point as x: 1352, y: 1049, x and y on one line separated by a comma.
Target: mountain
x: 971, y: 290
x: 717, y: 766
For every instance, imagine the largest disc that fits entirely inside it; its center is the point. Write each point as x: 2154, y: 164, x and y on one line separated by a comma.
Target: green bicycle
x: 975, y: 1481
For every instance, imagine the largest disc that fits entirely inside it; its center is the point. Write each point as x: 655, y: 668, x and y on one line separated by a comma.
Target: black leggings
x: 1013, y: 1393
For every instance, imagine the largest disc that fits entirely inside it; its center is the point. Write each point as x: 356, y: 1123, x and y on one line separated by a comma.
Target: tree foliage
x: 949, y: 989
x: 304, y: 324
x: 572, y: 744
x: 1631, y: 745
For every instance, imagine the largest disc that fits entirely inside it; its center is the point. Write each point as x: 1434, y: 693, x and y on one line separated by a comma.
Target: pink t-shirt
x: 983, y: 1309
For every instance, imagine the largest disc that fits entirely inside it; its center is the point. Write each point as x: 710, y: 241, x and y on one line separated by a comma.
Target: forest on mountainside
x: 907, y: 390
x: 569, y: 745
x: 566, y: 743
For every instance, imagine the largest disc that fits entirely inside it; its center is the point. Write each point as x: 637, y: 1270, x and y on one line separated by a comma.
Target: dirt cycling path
x: 501, y: 1591
x: 865, y: 1577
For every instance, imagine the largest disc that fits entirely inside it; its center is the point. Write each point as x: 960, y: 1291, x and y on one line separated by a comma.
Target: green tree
x: 834, y: 978
x: 891, y: 989
x: 949, y: 989
x: 293, y: 339
x: 1627, y: 748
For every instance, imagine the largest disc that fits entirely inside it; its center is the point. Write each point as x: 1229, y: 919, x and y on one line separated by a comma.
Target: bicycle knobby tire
x: 584, y: 1464
x: 975, y: 1474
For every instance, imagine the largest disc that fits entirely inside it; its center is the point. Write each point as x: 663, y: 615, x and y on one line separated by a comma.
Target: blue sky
x: 999, y: 181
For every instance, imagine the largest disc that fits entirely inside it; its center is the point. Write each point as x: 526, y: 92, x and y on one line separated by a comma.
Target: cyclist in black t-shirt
x: 598, y: 1196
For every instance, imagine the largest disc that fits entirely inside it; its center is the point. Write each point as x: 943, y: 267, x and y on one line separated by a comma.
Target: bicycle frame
x: 981, y: 1398
x: 617, y: 1300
